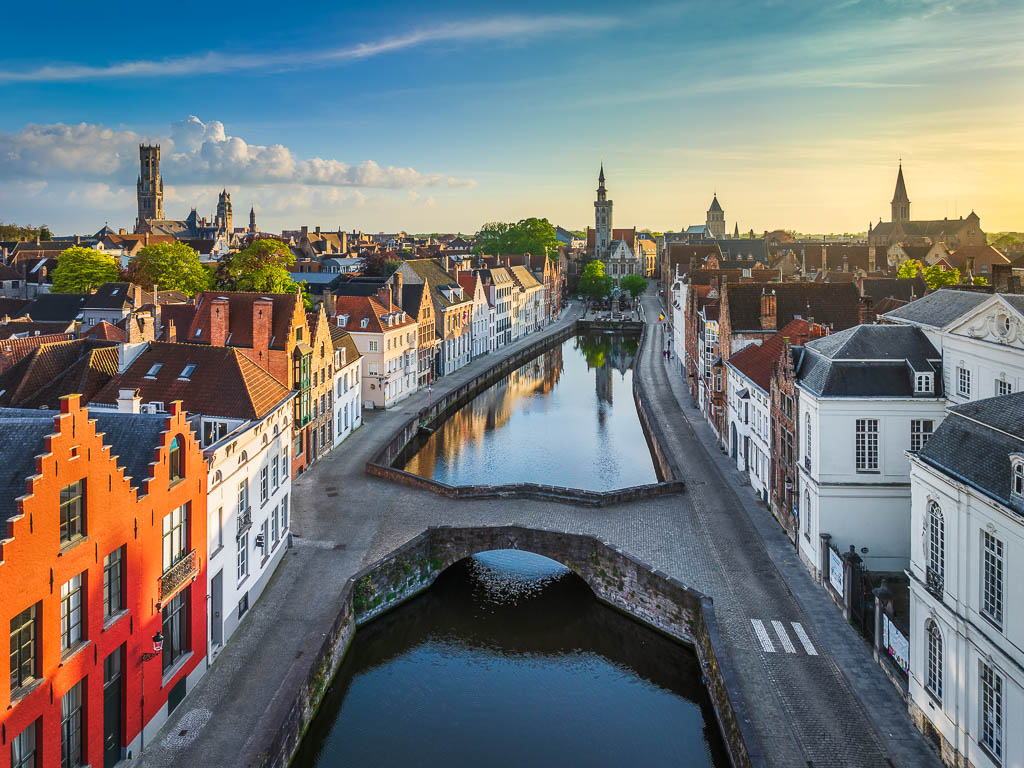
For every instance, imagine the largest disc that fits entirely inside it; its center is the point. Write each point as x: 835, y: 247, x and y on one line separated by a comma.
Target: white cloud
x: 193, y: 153
x: 509, y: 28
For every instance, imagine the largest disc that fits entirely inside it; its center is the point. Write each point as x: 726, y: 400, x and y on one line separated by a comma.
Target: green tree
x: 530, y: 235
x: 594, y: 282
x: 935, y: 277
x: 635, y: 284
x: 263, y: 267
x: 17, y: 231
x: 171, y: 266
x: 81, y: 269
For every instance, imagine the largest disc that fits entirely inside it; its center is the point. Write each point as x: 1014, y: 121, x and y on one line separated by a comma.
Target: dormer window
x: 924, y: 383
x: 1017, y: 461
x: 364, y: 322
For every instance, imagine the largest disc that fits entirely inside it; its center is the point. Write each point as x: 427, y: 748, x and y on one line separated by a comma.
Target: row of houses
x: 896, y: 437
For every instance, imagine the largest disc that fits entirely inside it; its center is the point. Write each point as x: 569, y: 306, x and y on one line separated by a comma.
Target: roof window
x: 154, y: 370
x: 364, y: 322
x: 198, y: 332
x: 187, y: 371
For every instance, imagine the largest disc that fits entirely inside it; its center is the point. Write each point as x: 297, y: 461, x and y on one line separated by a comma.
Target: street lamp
x: 158, y: 646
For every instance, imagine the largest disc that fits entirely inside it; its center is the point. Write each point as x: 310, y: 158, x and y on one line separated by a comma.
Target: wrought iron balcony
x: 934, y: 582
x: 244, y: 521
x: 179, y: 575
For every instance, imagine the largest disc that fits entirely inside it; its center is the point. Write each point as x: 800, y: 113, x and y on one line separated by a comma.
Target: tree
x: 17, y: 231
x: 262, y: 268
x: 594, y: 282
x: 935, y: 277
x: 379, y: 265
x: 171, y: 266
x: 525, y: 236
x: 635, y: 284
x: 81, y: 269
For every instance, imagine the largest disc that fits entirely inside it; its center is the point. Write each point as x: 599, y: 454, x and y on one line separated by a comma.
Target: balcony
x: 244, y: 521
x: 179, y: 575
x: 934, y: 582
x: 807, y: 463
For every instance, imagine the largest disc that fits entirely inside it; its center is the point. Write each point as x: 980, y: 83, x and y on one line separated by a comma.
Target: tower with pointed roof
x: 224, y: 211
x: 252, y: 219
x: 900, y: 201
x: 150, y: 188
x: 716, y: 218
x: 602, y: 220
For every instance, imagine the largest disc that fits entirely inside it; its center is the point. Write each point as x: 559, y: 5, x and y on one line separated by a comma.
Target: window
x: 113, y: 583
x: 187, y: 371
x: 264, y: 484
x: 71, y: 618
x: 920, y: 432
x: 933, y: 675
x: 805, y: 515
x: 923, y: 383
x: 991, y: 695
x: 867, y: 445
x: 275, y: 472
x: 23, y: 648
x: 72, y: 512
x: 992, y: 578
x: 1003, y: 388
x: 242, y: 557
x: 807, y: 442
x: 175, y: 536
x: 175, y: 628
x: 284, y: 463
x: 175, y: 460
x: 284, y: 514
x: 963, y: 382
x: 71, y: 716
x: 373, y: 346
x: 298, y: 444
x: 1018, y: 477
x: 154, y: 370
x: 263, y: 541
x: 23, y: 748
x: 275, y: 528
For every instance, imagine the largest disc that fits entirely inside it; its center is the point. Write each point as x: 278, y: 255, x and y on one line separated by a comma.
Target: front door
x: 112, y: 697
x: 217, y: 610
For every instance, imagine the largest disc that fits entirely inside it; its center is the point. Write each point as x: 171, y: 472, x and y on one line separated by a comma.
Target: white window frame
x: 992, y: 578
x: 921, y: 431
x: 990, y: 701
x: 866, y: 446
x: 933, y: 671
x: 963, y: 381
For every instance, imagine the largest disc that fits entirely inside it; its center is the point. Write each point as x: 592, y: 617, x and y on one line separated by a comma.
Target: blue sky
x: 440, y: 117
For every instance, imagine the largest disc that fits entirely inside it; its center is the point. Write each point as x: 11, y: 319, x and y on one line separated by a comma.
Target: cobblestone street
x: 815, y: 698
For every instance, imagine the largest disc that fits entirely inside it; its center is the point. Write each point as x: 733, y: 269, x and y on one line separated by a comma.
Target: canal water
x: 510, y: 660
x: 567, y: 417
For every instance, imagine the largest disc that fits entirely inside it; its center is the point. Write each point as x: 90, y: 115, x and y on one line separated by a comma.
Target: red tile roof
x: 104, y: 330
x: 59, y: 368
x: 984, y: 256
x: 240, y: 311
x: 756, y: 361
x: 369, y: 308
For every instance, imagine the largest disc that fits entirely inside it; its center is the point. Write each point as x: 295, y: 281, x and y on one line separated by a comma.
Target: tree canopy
x: 16, y: 232
x: 81, y: 269
x: 171, y: 266
x: 594, y: 282
x: 935, y: 277
x: 263, y: 267
x: 525, y: 236
x: 635, y: 284
x: 379, y: 265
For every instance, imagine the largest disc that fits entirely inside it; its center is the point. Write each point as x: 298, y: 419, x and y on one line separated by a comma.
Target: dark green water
x: 567, y: 417
x: 509, y: 660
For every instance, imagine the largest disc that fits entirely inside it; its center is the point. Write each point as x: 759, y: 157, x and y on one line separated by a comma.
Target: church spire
x: 900, y: 201
x: 600, y: 177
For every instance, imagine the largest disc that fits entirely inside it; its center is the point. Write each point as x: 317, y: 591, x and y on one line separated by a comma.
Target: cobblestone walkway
x: 804, y: 708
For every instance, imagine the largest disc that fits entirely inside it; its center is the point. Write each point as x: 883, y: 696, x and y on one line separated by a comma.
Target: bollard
x: 824, y: 560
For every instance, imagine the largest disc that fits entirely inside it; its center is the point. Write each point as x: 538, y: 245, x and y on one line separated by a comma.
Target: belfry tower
x: 602, y: 220
x: 900, y: 201
x: 150, y: 188
x: 224, y: 212
x: 252, y: 219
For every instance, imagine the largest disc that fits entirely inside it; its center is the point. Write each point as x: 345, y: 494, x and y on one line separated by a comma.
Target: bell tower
x: 150, y: 188
x: 900, y: 201
x: 602, y: 220
x: 224, y: 212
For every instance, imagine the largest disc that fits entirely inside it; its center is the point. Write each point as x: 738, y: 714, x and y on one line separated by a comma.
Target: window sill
x: 869, y: 472
x: 70, y: 545
x: 175, y: 482
x: 73, y: 651
x: 995, y: 625
x: 175, y: 668
x: 244, y: 579
x: 113, y: 619
x: 20, y: 693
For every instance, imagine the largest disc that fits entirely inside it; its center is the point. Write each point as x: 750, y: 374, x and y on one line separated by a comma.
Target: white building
x: 867, y: 395
x: 481, y: 332
x: 348, y: 413
x: 677, y: 319
x: 502, y: 295
x: 967, y: 571
x: 530, y: 304
x: 622, y: 261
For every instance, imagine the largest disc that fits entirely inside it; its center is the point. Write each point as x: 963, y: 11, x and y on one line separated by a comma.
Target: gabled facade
x: 452, y: 308
x: 481, y: 333
x: 502, y: 295
x: 348, y: 406
x: 530, y: 304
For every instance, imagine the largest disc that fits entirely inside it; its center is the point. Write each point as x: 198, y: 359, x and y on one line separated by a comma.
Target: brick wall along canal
x: 565, y: 418
x: 510, y: 660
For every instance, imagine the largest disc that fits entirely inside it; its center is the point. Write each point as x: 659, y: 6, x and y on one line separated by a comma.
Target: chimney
x: 871, y: 259
x: 136, y: 296
x: 330, y: 303
x: 171, y: 333
x: 78, y: 239
x: 846, y: 263
x: 305, y: 231
x: 384, y: 296
x: 122, y: 231
x: 139, y: 328
x: 769, y: 318
x: 397, y: 280
x: 219, y: 322
x: 128, y: 401
x: 824, y: 258
x: 317, y: 230
x: 262, y: 325
x: 145, y: 238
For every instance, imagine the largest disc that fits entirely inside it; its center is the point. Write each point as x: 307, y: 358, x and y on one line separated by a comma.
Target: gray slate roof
x: 936, y: 310
x: 973, y: 444
x: 869, y: 361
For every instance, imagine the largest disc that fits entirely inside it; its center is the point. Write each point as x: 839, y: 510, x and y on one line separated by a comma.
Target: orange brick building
x: 102, y: 542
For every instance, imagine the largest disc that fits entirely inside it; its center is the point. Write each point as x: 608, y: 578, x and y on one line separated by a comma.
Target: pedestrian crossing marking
x: 768, y: 644
x: 762, y: 635
x: 780, y: 630
x: 805, y: 641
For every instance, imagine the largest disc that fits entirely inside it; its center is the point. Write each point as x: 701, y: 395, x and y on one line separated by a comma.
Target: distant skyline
x: 400, y: 116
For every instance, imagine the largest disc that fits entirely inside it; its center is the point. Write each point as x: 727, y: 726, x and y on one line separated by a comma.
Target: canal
x: 510, y: 660
x: 567, y: 417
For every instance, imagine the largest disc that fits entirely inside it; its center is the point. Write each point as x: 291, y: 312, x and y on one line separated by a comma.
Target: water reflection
x: 509, y: 660
x: 554, y: 420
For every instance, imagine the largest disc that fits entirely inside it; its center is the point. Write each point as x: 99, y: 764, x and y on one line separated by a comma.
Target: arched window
x: 1018, y: 478
x: 933, y: 679
x: 175, y: 460
x: 805, y: 515
x: 936, y: 550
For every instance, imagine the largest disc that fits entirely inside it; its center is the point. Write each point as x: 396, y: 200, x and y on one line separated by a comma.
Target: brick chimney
x: 330, y: 303
x: 872, y: 261
x: 145, y: 238
x: 846, y: 263
x: 140, y: 328
x: 262, y: 324
x: 398, y: 281
x: 824, y: 258
x: 769, y: 311
x: 171, y: 333
x: 317, y: 230
x: 219, y: 321
x: 384, y: 296
x: 136, y: 296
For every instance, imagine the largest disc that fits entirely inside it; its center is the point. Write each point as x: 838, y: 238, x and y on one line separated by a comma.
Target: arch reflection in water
x: 510, y: 660
x: 566, y: 417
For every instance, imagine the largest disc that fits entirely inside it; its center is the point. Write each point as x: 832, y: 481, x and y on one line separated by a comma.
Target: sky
x: 439, y: 117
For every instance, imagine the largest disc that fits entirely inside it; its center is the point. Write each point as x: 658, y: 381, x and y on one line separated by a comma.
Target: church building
x: 619, y: 249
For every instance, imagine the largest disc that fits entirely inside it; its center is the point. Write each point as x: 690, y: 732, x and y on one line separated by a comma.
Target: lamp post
x: 158, y: 647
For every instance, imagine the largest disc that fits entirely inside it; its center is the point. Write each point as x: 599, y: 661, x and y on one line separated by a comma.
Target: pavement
x: 814, y: 695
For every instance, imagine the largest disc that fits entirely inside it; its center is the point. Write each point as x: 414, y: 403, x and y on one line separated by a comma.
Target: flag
x: 661, y: 317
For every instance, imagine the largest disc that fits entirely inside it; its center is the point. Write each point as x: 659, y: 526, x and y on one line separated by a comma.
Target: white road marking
x: 762, y: 635
x: 780, y: 630
x: 805, y: 641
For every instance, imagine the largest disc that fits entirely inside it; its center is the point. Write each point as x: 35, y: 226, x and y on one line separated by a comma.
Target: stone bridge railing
x: 617, y: 579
